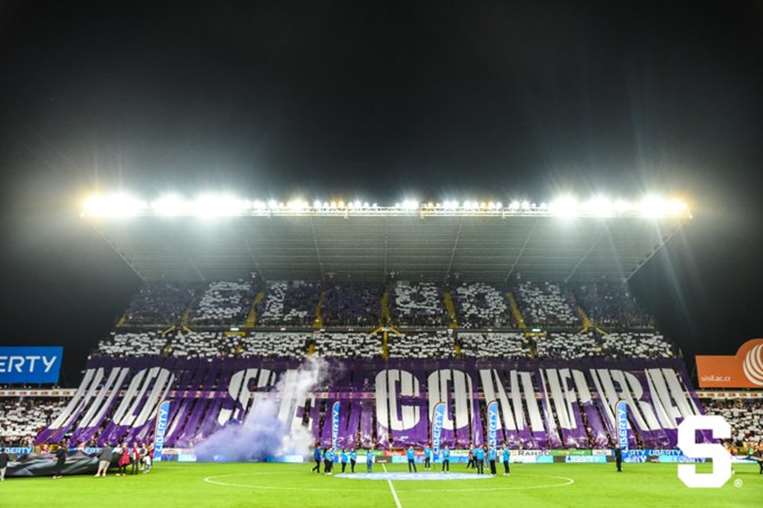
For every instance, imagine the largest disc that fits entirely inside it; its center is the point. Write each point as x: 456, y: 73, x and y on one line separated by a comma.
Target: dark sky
x: 378, y: 99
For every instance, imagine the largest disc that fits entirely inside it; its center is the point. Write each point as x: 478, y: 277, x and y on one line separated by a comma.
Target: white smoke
x: 263, y: 434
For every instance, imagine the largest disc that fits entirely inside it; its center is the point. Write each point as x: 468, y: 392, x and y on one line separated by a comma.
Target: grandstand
x: 516, y: 306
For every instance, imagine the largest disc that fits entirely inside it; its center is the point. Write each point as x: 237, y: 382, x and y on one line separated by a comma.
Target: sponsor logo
x: 335, y: 424
x: 492, y: 421
x: 687, y: 442
x: 38, y: 365
x: 753, y: 365
x: 438, y: 416
x: 743, y: 370
x: 162, y: 419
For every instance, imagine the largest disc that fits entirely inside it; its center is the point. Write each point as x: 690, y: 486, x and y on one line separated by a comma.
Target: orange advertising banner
x: 743, y: 370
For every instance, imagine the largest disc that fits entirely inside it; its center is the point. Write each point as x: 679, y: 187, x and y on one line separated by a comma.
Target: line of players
x: 478, y: 458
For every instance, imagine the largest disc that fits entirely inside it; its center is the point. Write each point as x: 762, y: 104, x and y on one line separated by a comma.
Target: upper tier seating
x: 481, y: 305
x: 351, y: 304
x: 610, y: 305
x: 545, y: 304
x: 159, y: 303
x: 289, y: 304
x: 224, y: 303
x: 417, y: 304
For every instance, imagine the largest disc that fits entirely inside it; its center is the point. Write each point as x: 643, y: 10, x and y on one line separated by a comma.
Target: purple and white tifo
x: 541, y: 404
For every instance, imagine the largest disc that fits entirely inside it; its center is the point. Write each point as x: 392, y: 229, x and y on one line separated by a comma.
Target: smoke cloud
x: 263, y: 434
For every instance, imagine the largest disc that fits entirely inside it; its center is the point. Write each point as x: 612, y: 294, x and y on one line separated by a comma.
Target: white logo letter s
x: 687, y: 473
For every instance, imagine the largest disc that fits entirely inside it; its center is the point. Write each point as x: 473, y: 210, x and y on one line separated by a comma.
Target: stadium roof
x: 366, y: 246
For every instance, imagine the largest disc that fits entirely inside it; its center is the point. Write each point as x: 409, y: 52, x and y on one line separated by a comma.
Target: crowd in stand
x: 493, y: 345
x: 274, y: 344
x: 568, y: 346
x: 481, y: 305
x: 637, y: 345
x: 546, y: 304
x: 289, y: 303
x: 744, y: 415
x: 159, y: 303
x: 351, y: 304
x: 224, y: 303
x: 610, y: 303
x: 422, y: 345
x: 22, y: 418
x: 148, y: 343
x: 430, y: 344
x: 348, y: 345
x: 202, y: 345
x: 417, y: 304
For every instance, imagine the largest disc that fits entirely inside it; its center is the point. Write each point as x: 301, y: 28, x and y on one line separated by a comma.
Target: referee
x: 619, y: 459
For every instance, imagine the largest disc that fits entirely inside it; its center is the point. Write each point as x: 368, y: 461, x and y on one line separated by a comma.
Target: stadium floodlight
x: 297, y: 205
x: 218, y: 205
x: 170, y: 205
x: 410, y: 205
x: 653, y: 206
x: 514, y: 205
x: 317, y: 204
x: 599, y: 206
x: 113, y: 205
x: 564, y: 207
x: 525, y: 205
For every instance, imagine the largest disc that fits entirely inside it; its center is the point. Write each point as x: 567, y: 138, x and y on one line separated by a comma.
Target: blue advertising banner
x: 162, y: 420
x: 492, y: 424
x: 438, y: 416
x: 622, y: 425
x: 335, y: 424
x: 30, y: 365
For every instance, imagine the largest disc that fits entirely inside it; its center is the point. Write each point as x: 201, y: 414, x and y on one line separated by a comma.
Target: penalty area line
x: 392, y: 489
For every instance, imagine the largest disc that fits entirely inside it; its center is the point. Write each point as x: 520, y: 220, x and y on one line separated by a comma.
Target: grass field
x: 292, y: 485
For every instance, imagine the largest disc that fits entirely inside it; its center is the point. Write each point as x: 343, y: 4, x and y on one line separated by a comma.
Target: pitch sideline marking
x: 392, y: 489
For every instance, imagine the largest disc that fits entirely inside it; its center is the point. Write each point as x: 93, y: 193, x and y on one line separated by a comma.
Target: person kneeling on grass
x: 104, y: 460
x: 58, y: 470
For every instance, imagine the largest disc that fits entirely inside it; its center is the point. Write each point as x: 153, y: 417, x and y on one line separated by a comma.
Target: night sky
x: 439, y: 100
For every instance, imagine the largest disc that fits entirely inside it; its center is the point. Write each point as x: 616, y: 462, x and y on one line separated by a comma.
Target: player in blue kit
x: 427, y: 457
x: 317, y: 456
x: 369, y: 460
x: 491, y: 456
x: 506, y: 460
x: 353, y: 459
x: 345, y: 459
x: 445, y: 454
x: 411, y: 459
x: 479, y: 459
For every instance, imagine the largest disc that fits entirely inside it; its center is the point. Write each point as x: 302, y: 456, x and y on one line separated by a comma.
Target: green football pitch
x: 292, y: 485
